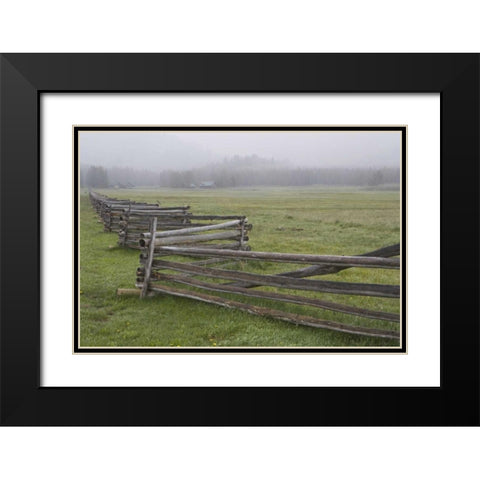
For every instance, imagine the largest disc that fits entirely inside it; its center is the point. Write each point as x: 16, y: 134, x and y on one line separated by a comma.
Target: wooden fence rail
x: 129, y: 218
x: 135, y: 222
x: 110, y: 209
x: 198, y: 241
x: 155, y: 274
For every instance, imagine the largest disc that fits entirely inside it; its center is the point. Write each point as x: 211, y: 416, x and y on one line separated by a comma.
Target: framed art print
x: 213, y: 239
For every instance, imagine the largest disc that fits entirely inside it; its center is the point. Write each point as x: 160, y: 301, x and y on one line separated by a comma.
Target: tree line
x: 94, y: 177
x: 224, y: 175
x: 281, y: 177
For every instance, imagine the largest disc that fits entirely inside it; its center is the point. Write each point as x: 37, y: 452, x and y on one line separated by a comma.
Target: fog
x: 158, y: 151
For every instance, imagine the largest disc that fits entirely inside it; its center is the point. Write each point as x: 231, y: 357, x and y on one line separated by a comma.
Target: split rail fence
x: 129, y: 219
x: 155, y: 273
x: 196, y: 242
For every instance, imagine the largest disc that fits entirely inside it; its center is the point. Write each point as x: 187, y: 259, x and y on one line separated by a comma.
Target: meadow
x: 316, y: 220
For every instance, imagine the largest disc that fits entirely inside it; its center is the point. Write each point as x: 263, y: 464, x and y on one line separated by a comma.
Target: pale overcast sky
x: 181, y: 150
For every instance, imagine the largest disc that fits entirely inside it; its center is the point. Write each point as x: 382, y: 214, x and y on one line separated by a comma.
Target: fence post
x: 148, y: 266
x: 242, y: 236
x: 127, y: 222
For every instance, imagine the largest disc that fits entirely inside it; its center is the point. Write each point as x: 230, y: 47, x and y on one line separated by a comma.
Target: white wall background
x: 214, y: 26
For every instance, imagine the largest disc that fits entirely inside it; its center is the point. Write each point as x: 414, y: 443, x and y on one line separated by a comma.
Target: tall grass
x: 298, y: 220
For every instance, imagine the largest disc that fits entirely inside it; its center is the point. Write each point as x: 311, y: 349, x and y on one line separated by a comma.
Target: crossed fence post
x: 148, y: 265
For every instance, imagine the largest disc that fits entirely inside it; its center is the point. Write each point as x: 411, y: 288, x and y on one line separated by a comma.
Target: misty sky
x: 184, y: 150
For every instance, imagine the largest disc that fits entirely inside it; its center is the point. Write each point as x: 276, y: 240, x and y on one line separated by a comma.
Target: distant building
x: 209, y: 184
x: 192, y: 185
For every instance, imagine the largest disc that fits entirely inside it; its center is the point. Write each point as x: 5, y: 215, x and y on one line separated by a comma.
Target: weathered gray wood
x: 208, y: 246
x: 157, y: 213
x: 125, y: 231
x: 314, y: 270
x: 148, y: 266
x: 218, y: 217
x: 242, y: 236
x: 122, y: 208
x: 211, y: 261
x: 277, y: 314
x: 219, y: 246
x: 178, y: 240
x: 190, y: 230
x: 347, y: 288
x: 228, y: 246
x: 350, y: 261
x: 144, y: 223
x: 336, y: 307
x: 170, y: 223
x: 150, y: 207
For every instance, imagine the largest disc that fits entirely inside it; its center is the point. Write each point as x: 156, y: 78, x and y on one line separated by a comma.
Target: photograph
x: 218, y: 239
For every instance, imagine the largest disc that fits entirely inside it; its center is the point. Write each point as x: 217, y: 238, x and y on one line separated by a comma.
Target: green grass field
x: 299, y: 220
